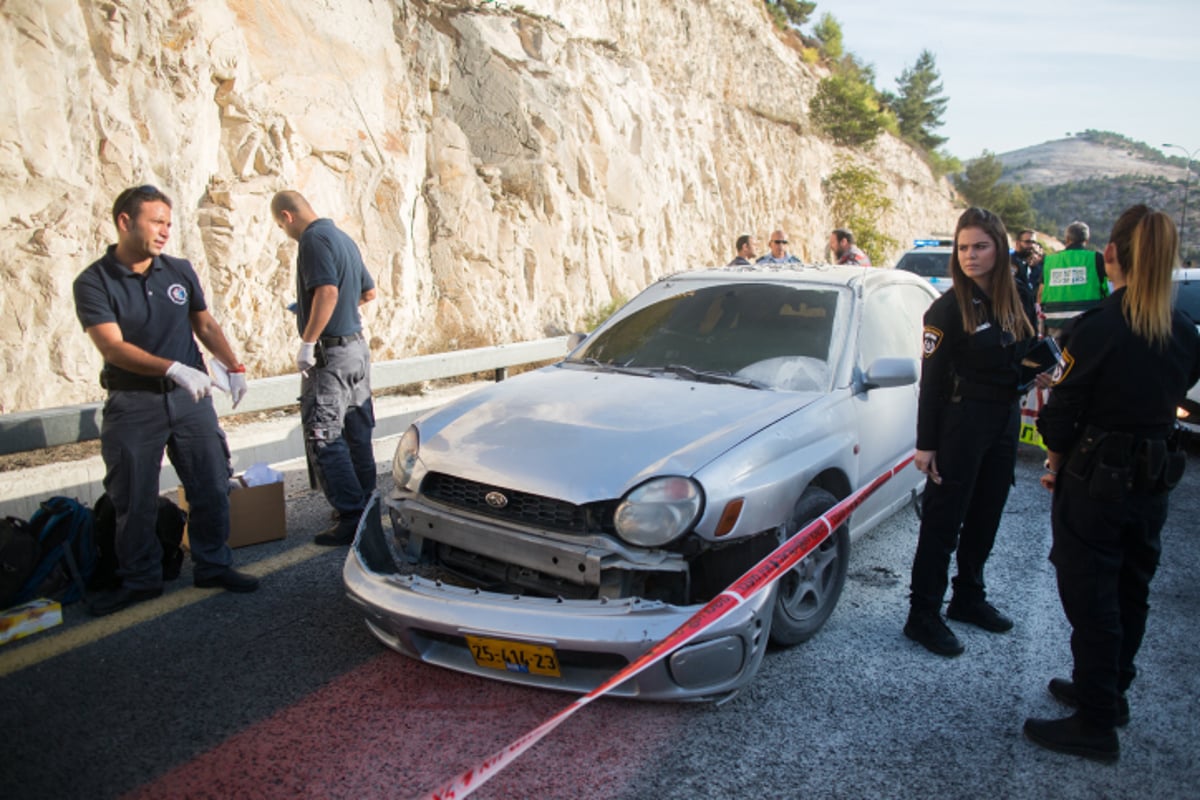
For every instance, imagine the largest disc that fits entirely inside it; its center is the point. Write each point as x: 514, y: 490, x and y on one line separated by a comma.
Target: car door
x: 890, y: 326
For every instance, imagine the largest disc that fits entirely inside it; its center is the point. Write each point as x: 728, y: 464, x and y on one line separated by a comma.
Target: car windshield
x: 927, y: 265
x: 1187, y: 298
x: 763, y: 335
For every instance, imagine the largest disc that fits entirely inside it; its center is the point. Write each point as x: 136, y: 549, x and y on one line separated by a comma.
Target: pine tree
x: 980, y: 185
x: 919, y: 105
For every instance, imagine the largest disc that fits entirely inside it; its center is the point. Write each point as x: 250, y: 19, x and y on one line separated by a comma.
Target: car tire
x: 807, y: 594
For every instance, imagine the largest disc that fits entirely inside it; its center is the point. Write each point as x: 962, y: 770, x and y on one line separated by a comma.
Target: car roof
x: 822, y: 274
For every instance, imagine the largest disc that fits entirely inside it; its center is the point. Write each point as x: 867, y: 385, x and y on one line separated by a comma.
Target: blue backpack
x: 64, y: 532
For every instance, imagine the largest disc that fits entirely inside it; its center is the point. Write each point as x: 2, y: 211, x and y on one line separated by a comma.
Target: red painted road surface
x: 397, y: 728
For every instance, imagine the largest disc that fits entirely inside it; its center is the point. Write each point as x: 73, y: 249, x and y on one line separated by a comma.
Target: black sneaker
x: 927, y: 629
x: 981, y: 614
x: 1073, y: 736
x: 1064, y: 691
x: 228, y: 579
x: 120, y: 599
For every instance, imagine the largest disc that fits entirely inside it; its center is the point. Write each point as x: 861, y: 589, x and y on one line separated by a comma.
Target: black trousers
x: 976, y: 460
x: 137, y: 426
x: 1105, y: 553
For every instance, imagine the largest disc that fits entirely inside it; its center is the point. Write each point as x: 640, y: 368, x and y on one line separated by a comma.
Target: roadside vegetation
x: 857, y: 200
x: 851, y: 111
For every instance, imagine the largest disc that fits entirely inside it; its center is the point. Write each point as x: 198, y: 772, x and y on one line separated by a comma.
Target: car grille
x: 523, y: 508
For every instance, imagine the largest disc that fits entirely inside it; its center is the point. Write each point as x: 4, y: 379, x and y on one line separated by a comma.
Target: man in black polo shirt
x: 144, y: 311
x: 336, y: 411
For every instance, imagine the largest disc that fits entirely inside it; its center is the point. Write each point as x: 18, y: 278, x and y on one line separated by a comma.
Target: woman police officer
x: 1112, y: 459
x: 967, y: 424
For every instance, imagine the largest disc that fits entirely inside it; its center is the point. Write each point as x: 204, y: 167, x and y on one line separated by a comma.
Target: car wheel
x: 807, y: 594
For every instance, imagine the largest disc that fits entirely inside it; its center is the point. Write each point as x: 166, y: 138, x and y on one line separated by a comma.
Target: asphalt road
x: 283, y: 694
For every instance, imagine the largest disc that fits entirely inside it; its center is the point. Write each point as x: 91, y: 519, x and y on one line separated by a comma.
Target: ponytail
x: 1147, y: 249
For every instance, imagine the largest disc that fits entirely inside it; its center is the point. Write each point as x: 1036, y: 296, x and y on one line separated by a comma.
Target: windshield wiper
x: 705, y: 376
x: 592, y: 362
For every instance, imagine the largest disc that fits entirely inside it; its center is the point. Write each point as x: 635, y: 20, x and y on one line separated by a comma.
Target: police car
x: 1187, y: 299
x: 930, y: 259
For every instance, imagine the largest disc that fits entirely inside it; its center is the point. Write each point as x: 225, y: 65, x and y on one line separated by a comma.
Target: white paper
x: 220, y: 375
x: 261, y: 473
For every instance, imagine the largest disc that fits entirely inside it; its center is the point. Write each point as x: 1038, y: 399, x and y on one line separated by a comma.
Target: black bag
x: 168, y: 527
x: 67, y: 551
x: 19, y: 551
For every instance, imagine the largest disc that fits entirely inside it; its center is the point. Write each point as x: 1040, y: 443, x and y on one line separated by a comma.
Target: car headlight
x: 658, y: 511
x: 406, y: 456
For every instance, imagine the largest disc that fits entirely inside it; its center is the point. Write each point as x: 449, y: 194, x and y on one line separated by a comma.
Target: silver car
x: 551, y: 528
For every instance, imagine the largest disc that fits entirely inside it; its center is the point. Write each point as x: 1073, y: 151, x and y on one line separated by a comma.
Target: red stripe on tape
x: 773, y: 566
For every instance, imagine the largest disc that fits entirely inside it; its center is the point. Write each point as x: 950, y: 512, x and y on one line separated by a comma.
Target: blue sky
x: 1022, y: 72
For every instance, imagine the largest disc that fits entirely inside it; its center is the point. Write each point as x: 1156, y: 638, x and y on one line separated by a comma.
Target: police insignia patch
x: 1063, y: 369
x: 933, y: 338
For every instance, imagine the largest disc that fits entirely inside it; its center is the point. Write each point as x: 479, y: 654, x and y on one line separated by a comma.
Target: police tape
x: 759, y: 577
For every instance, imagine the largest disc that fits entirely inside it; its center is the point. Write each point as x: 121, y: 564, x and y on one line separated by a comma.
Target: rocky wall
x: 507, y: 169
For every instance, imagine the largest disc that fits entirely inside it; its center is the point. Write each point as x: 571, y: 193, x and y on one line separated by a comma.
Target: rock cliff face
x: 507, y: 170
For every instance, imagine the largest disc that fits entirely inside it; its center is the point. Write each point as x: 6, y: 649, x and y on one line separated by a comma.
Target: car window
x: 1187, y: 298
x: 778, y: 335
x: 927, y: 265
x: 892, y: 322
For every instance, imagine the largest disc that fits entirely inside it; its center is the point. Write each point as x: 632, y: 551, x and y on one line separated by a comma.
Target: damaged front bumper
x: 591, y: 640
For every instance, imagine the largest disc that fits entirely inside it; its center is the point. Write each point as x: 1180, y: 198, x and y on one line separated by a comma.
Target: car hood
x: 583, y: 435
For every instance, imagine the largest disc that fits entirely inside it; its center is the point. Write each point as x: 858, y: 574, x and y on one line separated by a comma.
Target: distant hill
x: 1094, y: 176
x: 1079, y: 158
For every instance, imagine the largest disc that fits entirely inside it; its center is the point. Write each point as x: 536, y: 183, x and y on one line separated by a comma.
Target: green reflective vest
x: 1070, y: 284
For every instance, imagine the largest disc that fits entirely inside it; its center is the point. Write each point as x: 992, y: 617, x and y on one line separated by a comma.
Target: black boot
x: 1064, y: 691
x: 981, y: 614
x: 927, y: 629
x: 338, y: 535
x: 1075, y: 737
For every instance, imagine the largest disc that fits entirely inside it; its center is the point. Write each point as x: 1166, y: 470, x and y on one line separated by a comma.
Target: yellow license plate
x: 502, y: 654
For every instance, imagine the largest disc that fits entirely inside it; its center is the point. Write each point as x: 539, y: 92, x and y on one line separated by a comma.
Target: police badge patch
x: 1063, y: 369
x: 933, y: 338
x: 178, y: 294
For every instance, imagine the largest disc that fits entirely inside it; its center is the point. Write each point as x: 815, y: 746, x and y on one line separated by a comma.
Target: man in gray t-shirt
x: 336, y: 411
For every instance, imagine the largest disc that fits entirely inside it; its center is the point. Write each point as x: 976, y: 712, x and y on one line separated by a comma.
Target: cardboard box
x: 256, y: 513
x: 36, y: 615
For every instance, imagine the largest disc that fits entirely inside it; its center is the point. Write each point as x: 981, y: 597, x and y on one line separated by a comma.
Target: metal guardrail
x: 32, y: 430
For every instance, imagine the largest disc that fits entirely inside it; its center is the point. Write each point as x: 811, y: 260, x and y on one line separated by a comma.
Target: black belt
x: 338, y: 341
x: 128, y: 382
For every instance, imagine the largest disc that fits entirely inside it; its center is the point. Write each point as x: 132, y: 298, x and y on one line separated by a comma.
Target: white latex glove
x: 237, y: 387
x: 197, y: 383
x: 306, y: 359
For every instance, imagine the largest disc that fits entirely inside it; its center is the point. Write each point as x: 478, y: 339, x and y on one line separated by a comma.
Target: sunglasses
x: 779, y: 241
x: 146, y: 191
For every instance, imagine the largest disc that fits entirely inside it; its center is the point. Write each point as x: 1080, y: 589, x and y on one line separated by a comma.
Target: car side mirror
x: 890, y: 371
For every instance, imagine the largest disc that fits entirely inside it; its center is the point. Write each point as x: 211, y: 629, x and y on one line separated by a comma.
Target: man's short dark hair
x: 843, y: 233
x: 1077, y: 232
x: 742, y: 241
x: 130, y: 201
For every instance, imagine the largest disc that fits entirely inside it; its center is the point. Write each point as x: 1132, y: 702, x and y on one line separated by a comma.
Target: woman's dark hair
x: 1006, y: 302
x: 1147, y: 250
x: 130, y: 201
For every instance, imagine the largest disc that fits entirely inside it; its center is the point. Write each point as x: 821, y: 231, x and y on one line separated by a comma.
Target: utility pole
x: 1187, y: 181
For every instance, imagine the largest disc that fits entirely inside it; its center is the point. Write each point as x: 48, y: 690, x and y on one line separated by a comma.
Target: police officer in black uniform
x: 1113, y: 457
x: 144, y: 311
x: 967, y: 424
